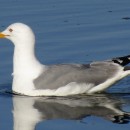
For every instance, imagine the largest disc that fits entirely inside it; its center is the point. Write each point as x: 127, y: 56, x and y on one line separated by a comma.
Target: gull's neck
x: 24, y: 61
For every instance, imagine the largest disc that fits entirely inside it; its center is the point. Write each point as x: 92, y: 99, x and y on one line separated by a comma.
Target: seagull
x: 32, y: 78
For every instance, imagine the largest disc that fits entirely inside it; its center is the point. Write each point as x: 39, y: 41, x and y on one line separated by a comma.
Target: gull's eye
x: 11, y: 30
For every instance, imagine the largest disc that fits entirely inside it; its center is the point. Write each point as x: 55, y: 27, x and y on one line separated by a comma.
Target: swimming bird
x: 32, y: 78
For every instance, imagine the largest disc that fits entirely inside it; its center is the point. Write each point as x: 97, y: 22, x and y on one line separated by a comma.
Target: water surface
x: 67, y: 32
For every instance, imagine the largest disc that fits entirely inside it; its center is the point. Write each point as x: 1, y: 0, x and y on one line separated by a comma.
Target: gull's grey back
x: 60, y: 75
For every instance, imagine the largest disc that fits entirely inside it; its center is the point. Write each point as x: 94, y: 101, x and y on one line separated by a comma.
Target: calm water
x: 67, y: 31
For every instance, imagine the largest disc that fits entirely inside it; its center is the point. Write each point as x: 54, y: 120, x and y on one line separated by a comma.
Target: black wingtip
x: 122, y: 60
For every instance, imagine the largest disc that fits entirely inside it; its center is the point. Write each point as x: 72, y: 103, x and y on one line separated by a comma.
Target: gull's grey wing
x: 60, y: 75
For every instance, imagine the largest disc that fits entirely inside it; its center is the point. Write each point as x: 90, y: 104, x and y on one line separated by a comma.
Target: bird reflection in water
x: 29, y: 111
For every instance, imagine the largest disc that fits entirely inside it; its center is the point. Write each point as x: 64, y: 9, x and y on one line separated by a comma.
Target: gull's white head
x: 18, y: 33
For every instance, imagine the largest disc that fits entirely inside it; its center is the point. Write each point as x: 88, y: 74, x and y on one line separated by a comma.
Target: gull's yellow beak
x: 2, y: 35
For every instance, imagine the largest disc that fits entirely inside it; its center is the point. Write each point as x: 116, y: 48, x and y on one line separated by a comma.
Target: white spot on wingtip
x: 120, y: 61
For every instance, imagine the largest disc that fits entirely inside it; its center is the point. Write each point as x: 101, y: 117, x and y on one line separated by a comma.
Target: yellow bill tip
x: 2, y: 35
